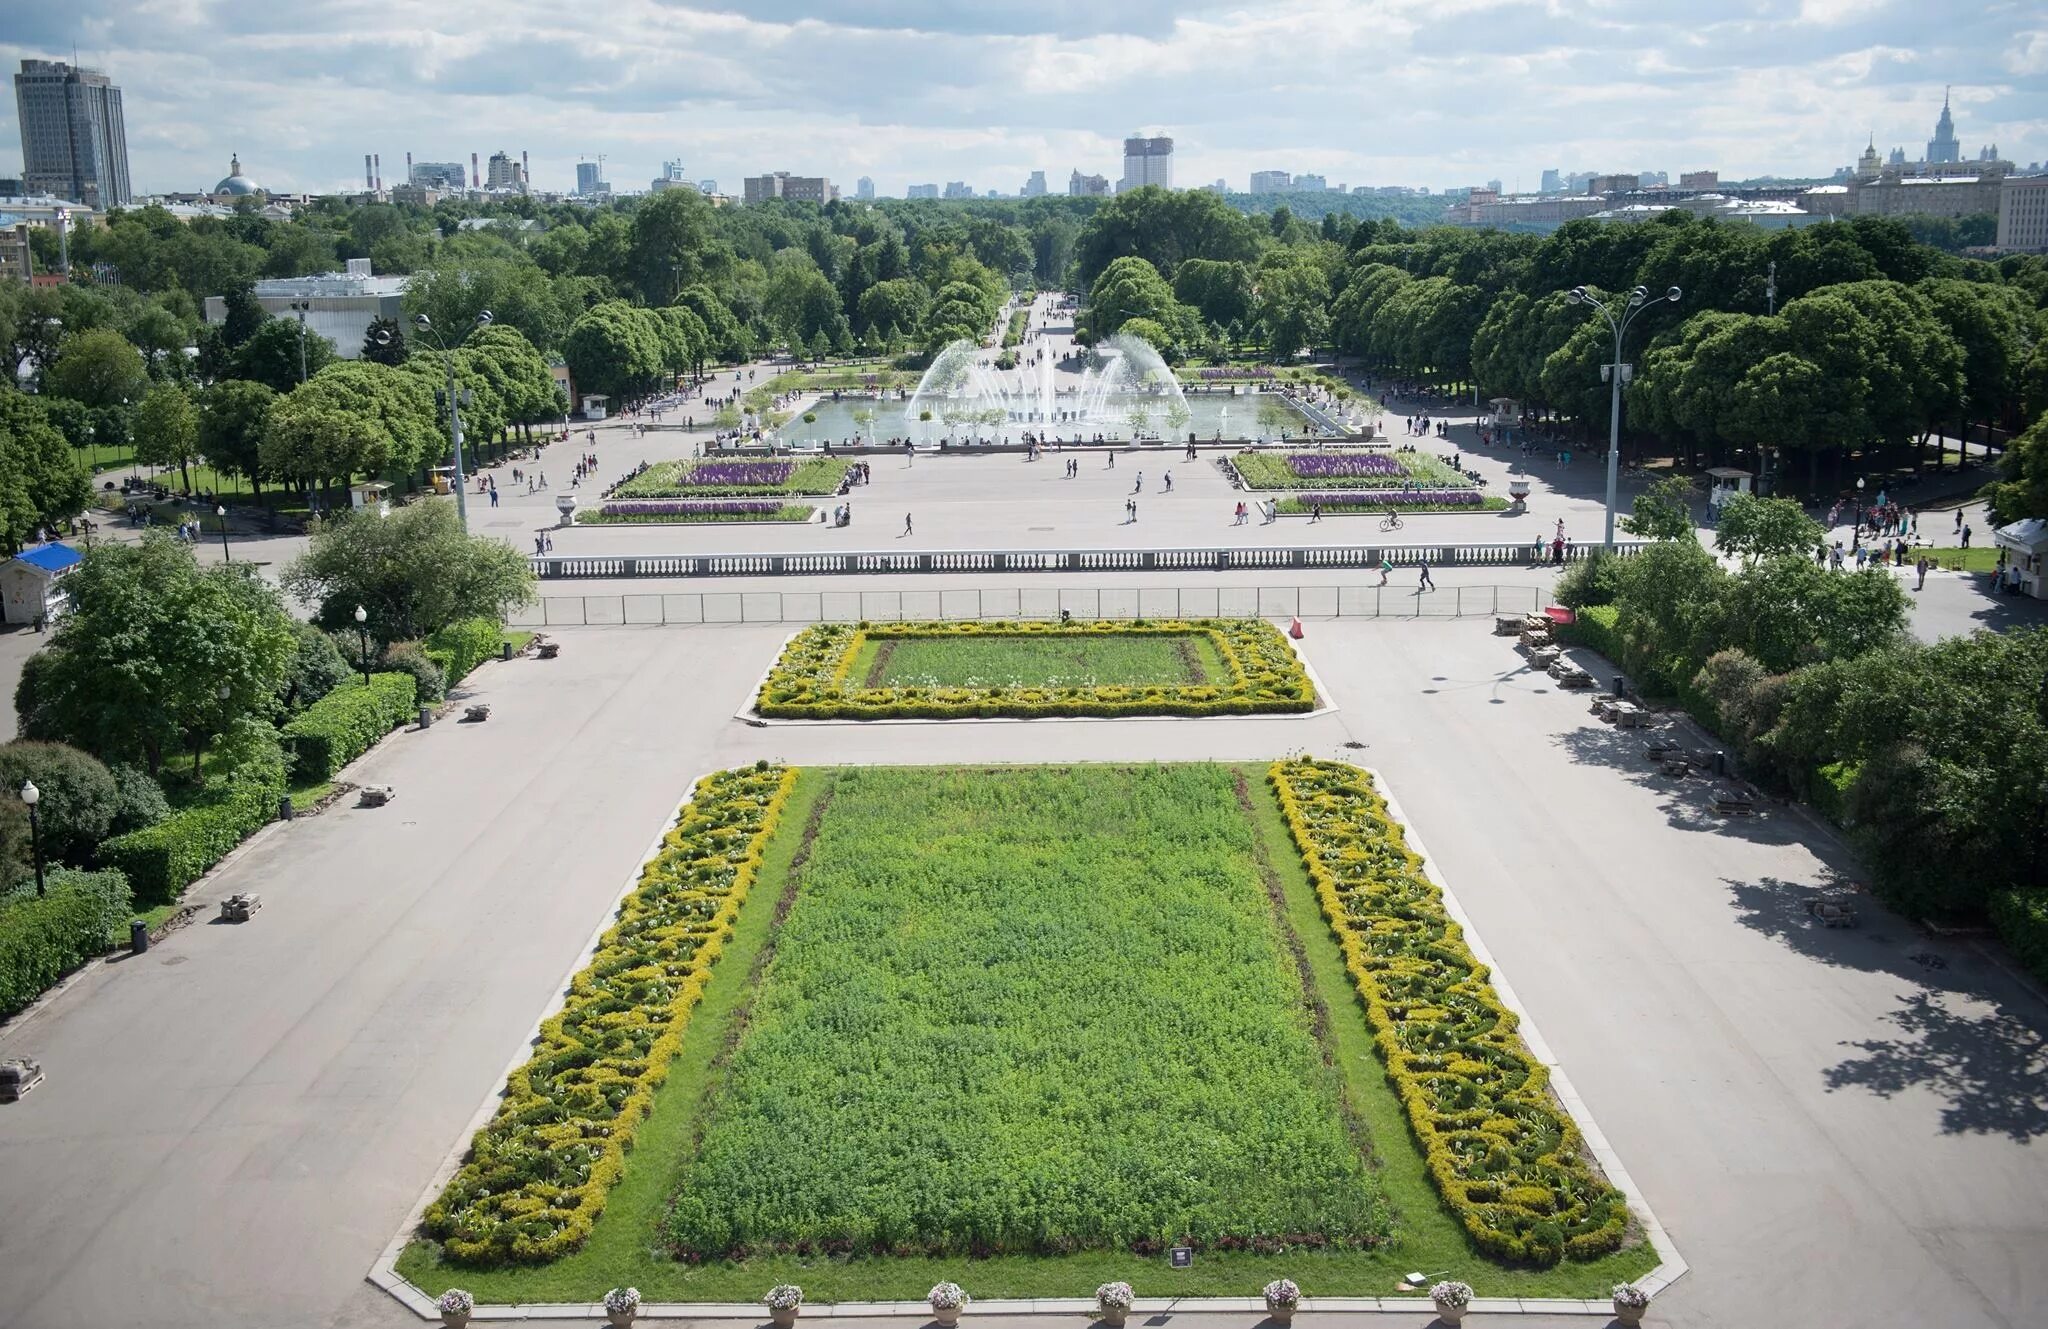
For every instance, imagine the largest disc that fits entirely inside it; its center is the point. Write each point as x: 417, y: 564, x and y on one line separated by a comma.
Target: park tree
x: 729, y: 341
x: 1130, y: 288
x: 41, y: 480
x: 1164, y: 228
x: 521, y: 376
x: 384, y: 342
x: 1663, y: 511
x: 901, y: 301
x: 413, y: 573
x: 167, y: 430
x: 97, y: 368
x: 232, y: 417
x: 352, y: 418
x: 1220, y: 290
x: 1755, y: 528
x: 1292, y: 295
x: 614, y: 349
x: 271, y: 355
x: 1788, y: 610
x: 155, y: 654
x: 77, y: 801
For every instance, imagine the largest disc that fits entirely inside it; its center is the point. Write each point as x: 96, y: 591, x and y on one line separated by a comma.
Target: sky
x: 1436, y: 93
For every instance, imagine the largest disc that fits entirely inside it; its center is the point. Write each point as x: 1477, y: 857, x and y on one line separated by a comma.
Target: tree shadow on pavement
x: 1687, y: 801
x: 1966, y: 1032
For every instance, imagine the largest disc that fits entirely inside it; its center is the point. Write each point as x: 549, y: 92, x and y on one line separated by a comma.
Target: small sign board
x: 1181, y: 1257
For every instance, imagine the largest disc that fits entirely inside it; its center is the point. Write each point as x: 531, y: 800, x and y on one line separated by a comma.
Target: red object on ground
x: 1294, y: 630
x: 1558, y: 614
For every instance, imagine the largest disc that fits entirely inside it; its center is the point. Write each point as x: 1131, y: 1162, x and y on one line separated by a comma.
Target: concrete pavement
x: 1836, y: 1127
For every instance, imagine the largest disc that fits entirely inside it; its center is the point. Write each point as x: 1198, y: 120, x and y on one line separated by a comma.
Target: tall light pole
x: 30, y: 796
x: 439, y: 343
x: 300, y: 307
x: 363, y: 641
x: 220, y: 510
x: 1638, y: 301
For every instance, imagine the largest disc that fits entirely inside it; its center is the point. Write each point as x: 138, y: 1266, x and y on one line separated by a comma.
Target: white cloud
x: 1435, y: 92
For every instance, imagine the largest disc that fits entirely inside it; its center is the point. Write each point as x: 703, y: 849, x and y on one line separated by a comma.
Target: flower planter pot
x: 621, y: 1319
x: 1629, y: 1314
x: 1114, y: 1316
x: 1450, y: 1314
x: 946, y: 1315
x: 783, y: 1318
x: 1280, y: 1314
x: 455, y: 1319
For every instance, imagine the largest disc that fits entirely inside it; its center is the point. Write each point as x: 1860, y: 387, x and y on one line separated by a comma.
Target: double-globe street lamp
x: 363, y: 641
x: 447, y: 350
x: 1638, y: 300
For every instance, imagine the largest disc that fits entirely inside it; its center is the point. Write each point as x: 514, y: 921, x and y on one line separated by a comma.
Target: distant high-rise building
x: 1698, y: 179
x: 706, y: 187
x: 2023, y: 213
x: 74, y: 143
x: 921, y: 191
x: 442, y: 175
x: 864, y: 190
x: 1941, y: 148
x: 1147, y: 161
x: 1078, y: 183
x: 671, y: 177
x: 588, y: 179
x: 1494, y: 185
x: 1221, y: 186
x: 1035, y: 186
x: 1271, y: 182
x: 958, y: 189
x: 1553, y: 181
x: 503, y: 172
x: 1310, y: 184
x: 797, y: 188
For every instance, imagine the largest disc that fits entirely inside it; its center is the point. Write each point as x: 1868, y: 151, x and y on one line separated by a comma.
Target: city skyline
x: 1777, y: 89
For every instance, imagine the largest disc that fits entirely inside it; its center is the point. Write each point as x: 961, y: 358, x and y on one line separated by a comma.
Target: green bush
x: 138, y: 799
x: 1594, y: 628
x: 1831, y: 790
x: 430, y: 680
x: 78, y: 796
x: 465, y: 644
x: 2021, y: 918
x: 1593, y: 580
x: 43, y: 939
x: 344, y: 724
x: 160, y: 861
x: 317, y: 668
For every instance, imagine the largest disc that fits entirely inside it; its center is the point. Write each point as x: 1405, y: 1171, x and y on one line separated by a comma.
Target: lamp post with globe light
x: 363, y: 641
x: 30, y: 796
x: 1638, y: 301
x: 220, y: 511
x: 447, y: 350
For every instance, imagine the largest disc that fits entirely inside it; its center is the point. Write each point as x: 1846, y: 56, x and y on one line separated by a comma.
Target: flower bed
x: 813, y: 678
x: 734, y: 479
x: 538, y: 1171
x: 1507, y: 1161
x: 1371, y: 501
x: 1374, y: 471
x: 667, y: 511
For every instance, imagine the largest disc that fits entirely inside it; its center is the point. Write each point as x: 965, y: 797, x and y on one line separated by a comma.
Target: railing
x: 553, y: 567
x: 1020, y: 602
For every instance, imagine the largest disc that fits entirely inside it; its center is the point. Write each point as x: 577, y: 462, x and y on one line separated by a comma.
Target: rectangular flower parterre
x: 1507, y: 1161
x: 539, y: 1170
x: 813, y: 678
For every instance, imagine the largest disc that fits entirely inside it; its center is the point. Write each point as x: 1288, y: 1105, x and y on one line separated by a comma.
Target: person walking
x: 1425, y: 583
x: 1966, y: 537
x: 1169, y: 482
x: 1921, y: 568
x: 906, y: 524
x: 1139, y: 487
x: 1386, y: 568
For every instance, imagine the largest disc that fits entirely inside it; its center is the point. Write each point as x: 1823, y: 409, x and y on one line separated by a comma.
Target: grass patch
x: 1977, y: 558
x: 740, y: 478
x: 684, y: 514
x: 1377, y: 469
x: 306, y: 795
x: 620, y: 1250
x: 1038, y: 661
x: 1378, y: 504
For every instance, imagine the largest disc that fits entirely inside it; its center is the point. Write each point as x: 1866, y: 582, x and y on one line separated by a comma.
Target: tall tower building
x: 864, y: 189
x: 504, y: 172
x: 73, y: 141
x: 1943, y: 146
x: 586, y: 177
x: 1147, y: 161
x: 1035, y: 186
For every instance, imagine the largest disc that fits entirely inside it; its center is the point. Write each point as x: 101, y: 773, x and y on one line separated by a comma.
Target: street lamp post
x: 300, y: 307
x: 1856, y: 536
x: 30, y: 796
x: 363, y: 641
x: 1638, y: 301
x: 220, y: 510
x: 434, y: 339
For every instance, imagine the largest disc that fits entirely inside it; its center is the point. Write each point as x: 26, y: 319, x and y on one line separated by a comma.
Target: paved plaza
x: 1834, y: 1127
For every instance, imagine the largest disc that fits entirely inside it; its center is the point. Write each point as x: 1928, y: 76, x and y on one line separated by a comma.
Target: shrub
x: 539, y: 1170
x: 1479, y: 1103
x: 78, y: 796
x: 1593, y: 580
x: 430, y: 681
x: 43, y: 939
x: 160, y: 861
x: 1594, y: 628
x: 466, y: 645
x: 345, y: 723
x: 317, y: 668
x: 138, y: 799
x: 2021, y: 918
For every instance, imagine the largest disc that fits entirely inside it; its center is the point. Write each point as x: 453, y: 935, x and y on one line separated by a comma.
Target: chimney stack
x: 377, y: 161
x: 525, y: 172
x: 408, y: 168
x: 476, y: 181
x: 369, y: 180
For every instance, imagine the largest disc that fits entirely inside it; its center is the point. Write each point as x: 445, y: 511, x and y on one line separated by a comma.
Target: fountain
x: 1127, y: 386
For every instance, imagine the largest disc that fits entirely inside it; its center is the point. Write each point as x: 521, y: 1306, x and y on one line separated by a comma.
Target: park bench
x: 240, y: 907
x: 1536, y: 637
x: 478, y: 713
x: 1663, y: 749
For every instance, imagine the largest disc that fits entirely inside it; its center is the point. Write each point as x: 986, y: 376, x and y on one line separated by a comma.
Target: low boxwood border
x: 1507, y: 1161
x: 811, y: 679
x: 538, y: 1172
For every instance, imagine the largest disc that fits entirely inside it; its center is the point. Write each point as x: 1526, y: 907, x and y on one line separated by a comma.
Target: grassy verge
x: 621, y: 1250
x: 1134, y: 660
x: 1977, y: 558
x: 306, y: 795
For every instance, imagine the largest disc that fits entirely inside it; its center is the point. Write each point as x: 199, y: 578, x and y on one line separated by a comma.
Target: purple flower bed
x: 734, y: 473
x: 717, y: 507
x: 1332, y: 466
x: 1255, y: 371
x: 1381, y: 499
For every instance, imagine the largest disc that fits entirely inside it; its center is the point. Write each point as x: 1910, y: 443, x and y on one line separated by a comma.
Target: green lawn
x: 1977, y: 558
x: 698, y: 479
x: 788, y: 512
x: 1038, y: 661
x: 1275, y: 470
x: 865, y: 845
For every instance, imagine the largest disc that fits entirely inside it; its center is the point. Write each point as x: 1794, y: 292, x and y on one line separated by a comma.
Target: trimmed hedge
x: 810, y: 681
x: 1509, y: 1165
x: 345, y: 723
x: 2021, y: 918
x: 462, y: 646
x: 539, y: 1171
x: 1596, y: 627
x: 41, y: 940
x: 160, y: 861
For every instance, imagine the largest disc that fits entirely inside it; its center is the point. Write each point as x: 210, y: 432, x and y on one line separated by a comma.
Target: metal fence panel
x: 1278, y: 602
x: 604, y: 610
x: 723, y: 607
x: 641, y: 609
x: 683, y: 608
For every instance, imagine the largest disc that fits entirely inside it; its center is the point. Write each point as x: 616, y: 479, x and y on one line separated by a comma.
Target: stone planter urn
x: 1629, y: 1314
x: 946, y: 1315
x: 566, y: 505
x: 620, y: 1319
x: 1449, y: 1314
x: 1280, y: 1314
x: 455, y: 1319
x: 1114, y: 1316
x: 784, y: 1317
x: 454, y: 1306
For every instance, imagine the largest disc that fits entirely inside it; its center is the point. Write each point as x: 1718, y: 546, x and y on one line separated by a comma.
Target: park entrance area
x: 1026, y: 1028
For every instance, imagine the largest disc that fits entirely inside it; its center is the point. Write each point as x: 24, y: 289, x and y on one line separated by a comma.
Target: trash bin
x: 1620, y: 686
x: 138, y: 936
x: 284, y: 807
x: 1720, y: 763
x: 426, y: 716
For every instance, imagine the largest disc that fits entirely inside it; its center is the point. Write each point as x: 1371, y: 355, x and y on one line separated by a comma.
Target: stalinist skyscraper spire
x: 1943, y: 146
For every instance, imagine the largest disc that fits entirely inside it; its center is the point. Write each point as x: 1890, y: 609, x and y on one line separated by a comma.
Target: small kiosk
x: 1728, y: 482
x: 371, y: 496
x: 2025, y: 544
x: 29, y: 582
